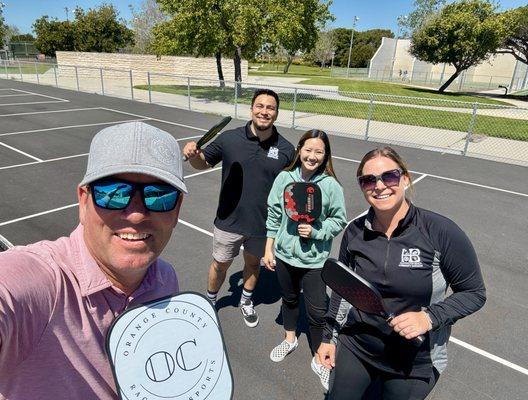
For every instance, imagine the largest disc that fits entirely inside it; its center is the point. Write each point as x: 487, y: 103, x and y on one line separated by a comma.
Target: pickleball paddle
x: 357, y: 291
x: 302, y: 202
x: 211, y: 133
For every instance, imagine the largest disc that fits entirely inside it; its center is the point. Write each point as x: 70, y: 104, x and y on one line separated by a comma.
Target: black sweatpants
x: 291, y: 280
x: 351, y: 378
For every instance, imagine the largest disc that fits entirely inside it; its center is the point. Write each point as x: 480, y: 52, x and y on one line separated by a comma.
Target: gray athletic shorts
x: 226, y: 245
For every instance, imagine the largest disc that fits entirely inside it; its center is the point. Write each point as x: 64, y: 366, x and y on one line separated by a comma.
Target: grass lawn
x: 25, y: 69
x: 485, y: 125
x: 297, y: 70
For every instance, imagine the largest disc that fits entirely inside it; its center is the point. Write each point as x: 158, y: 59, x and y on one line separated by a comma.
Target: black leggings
x: 291, y: 279
x: 351, y: 378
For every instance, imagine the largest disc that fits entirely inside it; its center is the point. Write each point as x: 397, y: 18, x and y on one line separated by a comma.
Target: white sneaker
x: 322, y: 373
x: 250, y: 315
x: 282, y: 350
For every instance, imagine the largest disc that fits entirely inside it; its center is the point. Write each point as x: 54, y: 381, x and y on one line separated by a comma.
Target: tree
x: 365, y: 45
x: 294, y: 24
x: 324, y: 47
x: 53, y: 35
x: 100, y: 30
x: 463, y: 34
x: 516, y: 42
x: 423, y: 11
x: 3, y: 27
x: 143, y: 22
x: 211, y: 28
x: 18, y: 37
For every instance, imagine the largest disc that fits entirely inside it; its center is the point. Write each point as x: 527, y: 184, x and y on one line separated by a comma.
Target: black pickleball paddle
x: 357, y: 291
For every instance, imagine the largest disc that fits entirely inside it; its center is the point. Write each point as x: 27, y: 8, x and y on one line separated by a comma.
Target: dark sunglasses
x: 389, y: 178
x: 117, y: 194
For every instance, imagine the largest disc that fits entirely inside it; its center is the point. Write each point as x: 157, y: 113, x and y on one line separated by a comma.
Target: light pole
x: 67, y: 11
x: 356, y: 19
x: 401, y: 20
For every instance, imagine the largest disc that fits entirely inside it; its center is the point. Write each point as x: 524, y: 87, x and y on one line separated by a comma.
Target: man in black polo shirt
x: 252, y: 156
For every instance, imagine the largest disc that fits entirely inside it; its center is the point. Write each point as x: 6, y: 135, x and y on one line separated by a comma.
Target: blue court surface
x: 45, y: 134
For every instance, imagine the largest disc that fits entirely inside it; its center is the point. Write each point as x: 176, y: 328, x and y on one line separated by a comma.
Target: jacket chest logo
x: 410, y: 258
x: 273, y: 152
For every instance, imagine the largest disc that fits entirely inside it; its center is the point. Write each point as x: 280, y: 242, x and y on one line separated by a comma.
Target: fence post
x: 131, y: 84
x: 294, y: 106
x: 102, y: 80
x: 489, y: 85
x: 470, y: 128
x: 236, y: 99
x: 150, y: 89
x: 189, y: 92
x: 77, y: 78
x: 20, y: 70
x: 461, y: 78
x: 370, y: 110
x: 5, y: 66
x: 36, y: 71
x: 55, y: 73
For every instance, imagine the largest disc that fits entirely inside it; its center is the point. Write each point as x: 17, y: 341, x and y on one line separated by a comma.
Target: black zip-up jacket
x: 426, y: 255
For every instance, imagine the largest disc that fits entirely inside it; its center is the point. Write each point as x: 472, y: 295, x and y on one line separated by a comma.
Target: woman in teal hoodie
x: 298, y: 264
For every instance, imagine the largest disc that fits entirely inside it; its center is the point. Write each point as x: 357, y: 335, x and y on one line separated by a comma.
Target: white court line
x: 489, y: 355
x: 71, y: 126
x: 16, y: 95
x: 42, y: 95
x: 76, y: 204
x: 32, y: 102
x: 448, y: 179
x: 203, y: 172
x: 20, y: 151
x: 50, y: 111
x: 206, y: 232
x: 155, y: 119
x: 43, y: 161
x: 85, y: 154
x: 38, y: 214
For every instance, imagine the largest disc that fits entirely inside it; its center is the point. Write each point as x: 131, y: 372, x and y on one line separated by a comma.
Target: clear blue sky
x: 371, y: 13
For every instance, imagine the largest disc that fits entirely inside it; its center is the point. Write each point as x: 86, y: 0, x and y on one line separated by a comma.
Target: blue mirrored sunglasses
x: 117, y: 194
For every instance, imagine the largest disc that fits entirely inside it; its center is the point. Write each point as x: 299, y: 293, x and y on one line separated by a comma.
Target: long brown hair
x: 390, y: 153
x: 326, y: 165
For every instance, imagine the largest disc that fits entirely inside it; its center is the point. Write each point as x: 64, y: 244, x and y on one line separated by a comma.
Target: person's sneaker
x: 322, y: 373
x: 282, y: 350
x: 250, y: 315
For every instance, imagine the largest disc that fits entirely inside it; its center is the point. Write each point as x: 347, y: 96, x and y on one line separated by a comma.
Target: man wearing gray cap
x: 58, y: 299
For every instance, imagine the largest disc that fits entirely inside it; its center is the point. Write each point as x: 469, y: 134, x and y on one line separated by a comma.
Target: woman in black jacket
x: 412, y: 256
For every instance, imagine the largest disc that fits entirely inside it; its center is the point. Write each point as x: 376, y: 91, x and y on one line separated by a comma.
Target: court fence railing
x: 486, y: 129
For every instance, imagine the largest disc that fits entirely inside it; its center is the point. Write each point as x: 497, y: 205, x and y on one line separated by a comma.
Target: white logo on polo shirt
x: 410, y: 258
x: 273, y: 152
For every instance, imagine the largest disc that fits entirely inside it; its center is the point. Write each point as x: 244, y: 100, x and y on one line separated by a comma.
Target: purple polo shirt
x: 56, y: 306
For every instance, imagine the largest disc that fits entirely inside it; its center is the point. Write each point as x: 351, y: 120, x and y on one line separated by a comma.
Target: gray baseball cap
x: 135, y: 147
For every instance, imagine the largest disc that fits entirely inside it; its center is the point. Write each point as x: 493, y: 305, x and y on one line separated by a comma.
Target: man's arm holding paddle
x: 195, y: 156
x: 192, y: 150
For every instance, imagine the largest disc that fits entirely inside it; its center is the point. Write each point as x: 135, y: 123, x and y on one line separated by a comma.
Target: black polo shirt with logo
x: 249, y: 168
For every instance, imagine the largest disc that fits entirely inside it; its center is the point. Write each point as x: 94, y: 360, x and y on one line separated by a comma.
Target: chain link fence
x: 464, y: 82
x: 487, y: 129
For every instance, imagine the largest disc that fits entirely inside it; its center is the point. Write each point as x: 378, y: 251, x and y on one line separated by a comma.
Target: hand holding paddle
x: 363, y: 295
x: 192, y: 149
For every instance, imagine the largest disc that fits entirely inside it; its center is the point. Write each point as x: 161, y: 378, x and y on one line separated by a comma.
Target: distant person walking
x: 252, y: 156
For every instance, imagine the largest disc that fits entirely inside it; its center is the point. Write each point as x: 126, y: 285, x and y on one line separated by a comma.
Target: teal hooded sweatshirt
x: 288, y: 245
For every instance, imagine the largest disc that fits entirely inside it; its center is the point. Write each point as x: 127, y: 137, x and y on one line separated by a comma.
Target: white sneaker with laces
x: 282, y: 350
x: 322, y: 373
x: 250, y: 315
